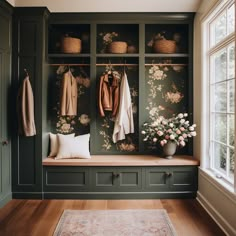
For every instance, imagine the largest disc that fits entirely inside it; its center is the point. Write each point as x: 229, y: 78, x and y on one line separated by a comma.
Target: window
x: 219, y: 32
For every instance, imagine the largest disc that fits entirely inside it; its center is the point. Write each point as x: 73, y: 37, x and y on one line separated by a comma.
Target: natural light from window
x: 221, y: 78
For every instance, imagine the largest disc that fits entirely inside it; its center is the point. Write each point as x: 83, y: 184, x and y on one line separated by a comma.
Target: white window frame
x: 207, y: 51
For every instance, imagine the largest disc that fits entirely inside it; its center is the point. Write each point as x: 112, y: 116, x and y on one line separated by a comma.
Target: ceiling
x: 113, y: 5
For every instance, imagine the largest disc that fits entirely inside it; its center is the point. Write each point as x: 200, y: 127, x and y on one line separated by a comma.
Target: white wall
x: 113, y: 5
x: 220, y: 203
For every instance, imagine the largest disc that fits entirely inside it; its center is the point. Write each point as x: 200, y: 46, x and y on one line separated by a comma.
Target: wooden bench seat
x: 124, y: 160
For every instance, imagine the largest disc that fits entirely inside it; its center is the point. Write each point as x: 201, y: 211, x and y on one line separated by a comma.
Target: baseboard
x: 27, y: 195
x: 216, y: 216
x: 5, y: 200
x: 118, y: 195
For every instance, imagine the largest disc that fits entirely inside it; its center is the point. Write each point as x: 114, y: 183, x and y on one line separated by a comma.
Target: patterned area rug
x: 114, y: 223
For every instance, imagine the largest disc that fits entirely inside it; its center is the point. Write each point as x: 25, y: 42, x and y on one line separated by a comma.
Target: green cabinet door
x: 118, y: 179
x: 183, y: 178
x: 156, y: 179
x: 65, y: 179
x: 5, y: 84
x: 171, y: 178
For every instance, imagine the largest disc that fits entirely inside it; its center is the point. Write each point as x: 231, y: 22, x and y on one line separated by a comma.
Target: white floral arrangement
x: 162, y: 130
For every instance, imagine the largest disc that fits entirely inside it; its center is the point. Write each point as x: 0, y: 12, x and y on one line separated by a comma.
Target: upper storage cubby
x: 69, y: 39
x: 166, y: 38
x: 117, y: 38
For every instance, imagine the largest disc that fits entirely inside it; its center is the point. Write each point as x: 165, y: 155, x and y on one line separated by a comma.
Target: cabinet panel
x: 129, y: 179
x: 5, y: 104
x: 183, y: 178
x: 117, y: 179
x: 60, y: 179
x: 103, y: 179
x: 156, y: 179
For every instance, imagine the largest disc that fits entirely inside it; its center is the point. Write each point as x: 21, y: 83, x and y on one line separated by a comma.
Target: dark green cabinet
x: 5, y: 85
x: 29, y: 42
x: 67, y: 179
x: 116, y: 179
x: 172, y: 179
x: 119, y: 182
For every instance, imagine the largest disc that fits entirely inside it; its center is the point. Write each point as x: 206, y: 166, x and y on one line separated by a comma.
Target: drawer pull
x: 115, y: 175
x: 5, y: 143
x: 168, y: 174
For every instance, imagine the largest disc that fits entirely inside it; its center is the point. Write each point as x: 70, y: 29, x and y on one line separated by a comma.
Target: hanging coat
x: 26, y: 109
x: 69, y: 94
x: 108, y: 99
x: 124, y: 123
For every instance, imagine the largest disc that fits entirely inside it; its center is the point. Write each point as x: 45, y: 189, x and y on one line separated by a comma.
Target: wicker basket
x: 164, y: 46
x: 117, y: 47
x: 70, y: 45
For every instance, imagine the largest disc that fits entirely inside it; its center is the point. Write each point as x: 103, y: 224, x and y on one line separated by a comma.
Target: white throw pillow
x: 54, y: 144
x: 73, y: 147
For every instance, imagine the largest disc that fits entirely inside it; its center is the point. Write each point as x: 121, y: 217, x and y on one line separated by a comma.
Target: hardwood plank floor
x: 40, y: 217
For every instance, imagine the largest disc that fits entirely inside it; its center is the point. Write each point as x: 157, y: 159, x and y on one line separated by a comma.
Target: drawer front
x: 184, y: 178
x: 62, y: 179
x: 129, y: 179
x: 103, y: 179
x: 116, y: 179
x: 156, y: 179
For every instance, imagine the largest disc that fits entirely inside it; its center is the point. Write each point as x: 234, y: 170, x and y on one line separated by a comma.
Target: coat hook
x: 26, y: 72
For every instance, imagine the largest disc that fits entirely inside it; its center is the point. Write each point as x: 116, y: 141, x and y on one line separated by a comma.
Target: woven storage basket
x: 70, y: 45
x: 164, y: 46
x: 117, y: 47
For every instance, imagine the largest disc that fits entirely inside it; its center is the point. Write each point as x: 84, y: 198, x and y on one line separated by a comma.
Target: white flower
x: 143, y: 132
x: 164, y: 122
x: 181, y: 138
x: 182, y: 143
x: 185, y: 114
x: 191, y: 128
x: 180, y: 115
x: 171, y: 125
x: 160, y: 133
x: 154, y: 140
x: 194, y: 125
x: 193, y: 133
x: 172, y: 137
x: 182, y: 121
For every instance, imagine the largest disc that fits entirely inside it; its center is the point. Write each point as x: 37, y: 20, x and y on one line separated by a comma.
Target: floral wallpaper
x: 166, y: 90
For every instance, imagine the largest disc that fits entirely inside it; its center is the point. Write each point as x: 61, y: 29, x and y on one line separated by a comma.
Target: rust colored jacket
x: 68, y: 105
x: 26, y: 109
x: 109, y: 93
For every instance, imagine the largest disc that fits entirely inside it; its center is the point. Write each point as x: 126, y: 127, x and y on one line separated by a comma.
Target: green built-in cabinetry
x: 5, y: 102
x: 148, y: 177
x: 160, y: 80
x: 155, y: 50
x: 29, y: 43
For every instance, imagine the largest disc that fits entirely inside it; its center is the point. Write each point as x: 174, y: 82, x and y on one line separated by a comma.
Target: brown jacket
x: 69, y: 94
x: 109, y: 92
x: 26, y: 109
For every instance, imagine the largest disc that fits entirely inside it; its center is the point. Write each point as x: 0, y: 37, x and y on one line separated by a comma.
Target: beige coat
x: 26, y: 109
x: 69, y: 94
x: 124, y: 123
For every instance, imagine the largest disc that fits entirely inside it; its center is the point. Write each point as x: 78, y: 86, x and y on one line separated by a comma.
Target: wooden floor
x: 40, y: 217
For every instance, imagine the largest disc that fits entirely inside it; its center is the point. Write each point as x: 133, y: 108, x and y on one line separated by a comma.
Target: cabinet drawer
x: 62, y: 179
x: 183, y: 178
x: 156, y: 179
x: 171, y: 178
x: 116, y: 179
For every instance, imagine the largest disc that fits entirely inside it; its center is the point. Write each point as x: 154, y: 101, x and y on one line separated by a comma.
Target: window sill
x: 220, y: 184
